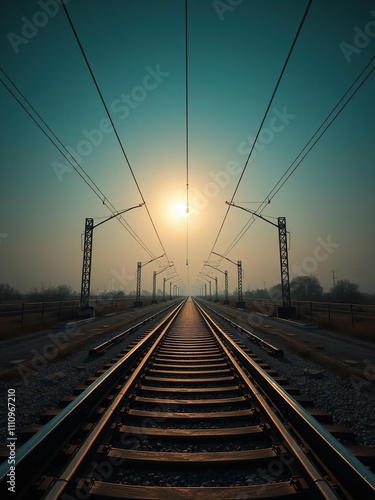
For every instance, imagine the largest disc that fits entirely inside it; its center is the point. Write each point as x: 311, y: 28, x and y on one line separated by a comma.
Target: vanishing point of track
x: 188, y: 412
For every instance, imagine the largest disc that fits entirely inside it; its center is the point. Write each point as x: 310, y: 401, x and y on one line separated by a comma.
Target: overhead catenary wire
x: 112, y: 123
x: 69, y: 158
x: 187, y: 133
x: 305, y: 150
x: 262, y: 122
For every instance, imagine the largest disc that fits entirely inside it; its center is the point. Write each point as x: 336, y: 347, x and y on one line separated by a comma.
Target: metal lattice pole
x: 239, y: 271
x: 216, y: 291
x: 138, y: 292
x: 284, y: 265
x: 226, y: 300
x: 86, y: 267
x: 154, y: 287
x: 164, y: 299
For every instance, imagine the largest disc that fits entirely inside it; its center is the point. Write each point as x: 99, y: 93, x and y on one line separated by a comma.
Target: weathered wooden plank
x: 101, y: 491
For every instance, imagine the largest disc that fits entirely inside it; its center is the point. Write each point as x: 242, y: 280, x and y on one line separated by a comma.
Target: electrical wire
x: 187, y: 134
x: 305, y: 151
x: 112, y: 123
x: 75, y: 165
x: 262, y: 122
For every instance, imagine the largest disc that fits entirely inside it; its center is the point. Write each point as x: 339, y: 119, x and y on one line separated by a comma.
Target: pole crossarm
x: 226, y: 300
x: 283, y: 250
x: 179, y: 280
x: 155, y: 273
x: 240, y: 302
x: 226, y: 258
x: 164, y: 281
x: 117, y: 214
x: 137, y: 302
x: 252, y: 212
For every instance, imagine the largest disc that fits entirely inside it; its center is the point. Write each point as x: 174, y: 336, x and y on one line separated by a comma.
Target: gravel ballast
x: 351, y: 401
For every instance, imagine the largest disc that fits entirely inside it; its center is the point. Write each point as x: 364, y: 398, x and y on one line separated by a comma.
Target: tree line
x: 301, y: 288
x: 309, y: 288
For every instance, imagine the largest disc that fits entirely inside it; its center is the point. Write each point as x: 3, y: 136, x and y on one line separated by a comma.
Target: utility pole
x: 226, y: 300
x: 154, y: 301
x: 87, y: 256
x: 286, y: 311
x: 137, y: 302
x: 216, y: 292
x: 333, y: 279
x: 209, y: 283
x: 240, y: 302
x: 164, y: 280
x: 170, y: 287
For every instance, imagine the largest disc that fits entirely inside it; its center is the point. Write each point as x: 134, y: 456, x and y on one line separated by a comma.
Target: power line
x: 112, y: 123
x: 61, y: 148
x: 187, y: 132
x: 262, y: 122
x: 305, y: 150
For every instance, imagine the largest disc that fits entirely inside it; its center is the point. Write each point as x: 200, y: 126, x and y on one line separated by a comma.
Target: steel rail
x: 269, y: 348
x: 353, y: 477
x: 105, y: 345
x: 32, y: 456
x: 290, y: 442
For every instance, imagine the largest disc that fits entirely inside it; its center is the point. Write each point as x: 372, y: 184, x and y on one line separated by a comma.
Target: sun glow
x: 179, y: 210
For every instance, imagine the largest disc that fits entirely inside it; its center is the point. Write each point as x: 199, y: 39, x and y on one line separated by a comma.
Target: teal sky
x: 137, y: 54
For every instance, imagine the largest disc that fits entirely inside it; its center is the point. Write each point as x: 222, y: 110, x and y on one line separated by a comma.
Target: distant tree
x: 261, y: 293
x: 60, y: 292
x: 8, y: 293
x: 346, y: 291
x: 275, y: 291
x: 306, y: 288
x: 249, y: 294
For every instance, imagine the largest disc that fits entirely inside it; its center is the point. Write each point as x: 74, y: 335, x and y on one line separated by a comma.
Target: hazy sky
x: 137, y: 54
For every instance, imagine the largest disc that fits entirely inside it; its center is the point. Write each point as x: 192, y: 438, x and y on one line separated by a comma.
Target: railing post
x: 351, y: 313
x: 22, y: 311
x: 42, y: 312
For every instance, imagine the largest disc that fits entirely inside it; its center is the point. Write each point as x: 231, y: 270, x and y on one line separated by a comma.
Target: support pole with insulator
x: 286, y: 311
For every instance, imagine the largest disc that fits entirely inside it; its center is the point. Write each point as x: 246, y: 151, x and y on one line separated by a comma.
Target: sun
x: 179, y: 210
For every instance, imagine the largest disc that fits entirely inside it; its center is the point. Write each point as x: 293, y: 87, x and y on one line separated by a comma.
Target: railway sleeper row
x: 188, y: 427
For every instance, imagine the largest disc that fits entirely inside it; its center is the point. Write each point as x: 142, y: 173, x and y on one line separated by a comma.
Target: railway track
x: 187, y: 413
